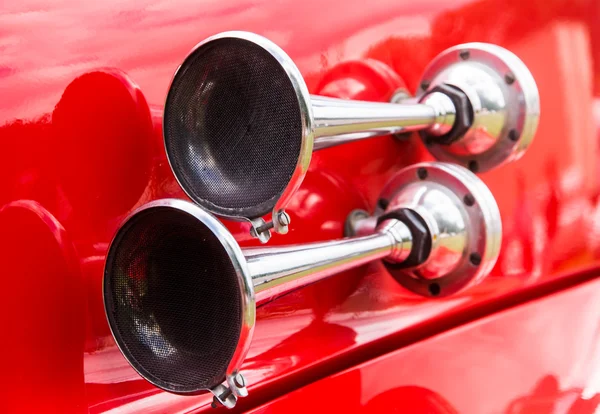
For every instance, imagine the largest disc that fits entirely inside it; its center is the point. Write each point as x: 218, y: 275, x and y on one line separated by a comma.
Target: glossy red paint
x: 42, y: 312
x: 505, y: 363
x: 82, y: 147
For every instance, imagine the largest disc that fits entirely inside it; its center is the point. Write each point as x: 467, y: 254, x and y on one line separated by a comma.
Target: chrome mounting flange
x: 503, y: 105
x: 459, y: 217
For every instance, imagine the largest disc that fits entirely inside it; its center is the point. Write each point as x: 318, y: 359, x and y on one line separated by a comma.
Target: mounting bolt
x: 283, y: 218
x: 465, y: 54
x: 475, y: 259
x: 425, y: 85
x: 469, y: 200
x: 261, y: 230
x: 354, y: 217
x: 399, y: 96
x: 383, y: 204
x: 513, y: 135
x: 473, y: 166
x: 434, y: 289
x: 509, y: 78
x: 239, y: 381
x: 265, y: 227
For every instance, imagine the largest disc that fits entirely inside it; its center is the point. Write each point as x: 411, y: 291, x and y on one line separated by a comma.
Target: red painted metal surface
x: 506, y: 363
x: 82, y: 146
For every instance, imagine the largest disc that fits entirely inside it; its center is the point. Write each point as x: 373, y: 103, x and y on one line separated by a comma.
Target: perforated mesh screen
x: 233, y: 128
x: 173, y: 300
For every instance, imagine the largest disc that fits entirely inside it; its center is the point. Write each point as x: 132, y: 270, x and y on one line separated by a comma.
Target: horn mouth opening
x: 173, y: 298
x: 235, y: 124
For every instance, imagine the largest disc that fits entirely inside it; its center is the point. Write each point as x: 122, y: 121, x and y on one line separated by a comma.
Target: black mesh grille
x: 173, y: 300
x: 233, y: 128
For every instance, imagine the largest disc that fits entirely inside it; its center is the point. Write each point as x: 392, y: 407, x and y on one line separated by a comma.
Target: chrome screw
x: 284, y: 219
x: 509, y: 78
x: 239, y: 381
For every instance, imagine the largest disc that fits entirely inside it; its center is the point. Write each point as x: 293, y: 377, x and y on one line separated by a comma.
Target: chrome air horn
x: 240, y: 126
x: 461, y: 217
x: 181, y: 295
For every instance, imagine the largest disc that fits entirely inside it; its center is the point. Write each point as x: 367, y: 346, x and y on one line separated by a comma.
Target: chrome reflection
x: 436, y: 217
x: 462, y: 218
x: 477, y: 106
x: 503, y: 98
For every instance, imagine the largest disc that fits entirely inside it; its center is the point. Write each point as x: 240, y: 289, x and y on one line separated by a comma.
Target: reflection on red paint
x: 102, y: 137
x: 42, y: 313
x: 363, y: 80
x: 547, y: 397
x: 504, y: 363
x: 86, y: 147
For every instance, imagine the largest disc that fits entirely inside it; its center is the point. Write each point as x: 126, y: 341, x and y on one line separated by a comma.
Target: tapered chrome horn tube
x: 278, y: 270
x: 339, y: 121
x: 240, y: 126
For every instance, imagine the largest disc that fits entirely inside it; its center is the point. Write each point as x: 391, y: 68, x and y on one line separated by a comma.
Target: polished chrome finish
x: 339, y: 121
x: 463, y: 228
x: 277, y: 270
x: 442, y: 210
x: 264, y: 273
x: 504, y: 99
x: 223, y: 396
x: 360, y: 225
x: 501, y: 93
x: 397, y: 230
x: 248, y: 304
x: 239, y: 381
x: 462, y: 218
x: 297, y: 81
x: 237, y: 384
x: 445, y: 113
x: 402, y: 96
x: 282, y: 222
x: 227, y: 397
x: 327, y: 122
x: 260, y: 229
